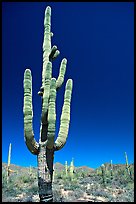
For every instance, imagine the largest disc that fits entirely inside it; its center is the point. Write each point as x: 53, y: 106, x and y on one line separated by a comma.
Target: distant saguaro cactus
x: 111, y: 169
x: 71, y: 170
x: 9, y: 159
x: 66, y: 168
x: 128, y: 166
x: 30, y: 170
x: 103, y: 174
x: 47, y: 146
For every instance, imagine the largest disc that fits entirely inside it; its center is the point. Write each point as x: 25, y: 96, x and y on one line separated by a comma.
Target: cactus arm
x: 28, y: 114
x: 51, y: 115
x: 9, y: 155
x: 62, y: 71
x: 54, y: 53
x: 53, y: 50
x: 46, y: 41
x: 65, y: 117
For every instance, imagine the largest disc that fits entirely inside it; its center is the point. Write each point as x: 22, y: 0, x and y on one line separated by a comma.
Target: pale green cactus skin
x: 44, y: 149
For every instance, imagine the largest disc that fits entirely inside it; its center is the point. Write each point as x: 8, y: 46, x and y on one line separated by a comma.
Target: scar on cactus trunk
x: 46, y: 146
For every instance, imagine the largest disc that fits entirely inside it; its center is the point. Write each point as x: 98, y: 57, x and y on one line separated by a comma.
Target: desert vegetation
x: 84, y: 185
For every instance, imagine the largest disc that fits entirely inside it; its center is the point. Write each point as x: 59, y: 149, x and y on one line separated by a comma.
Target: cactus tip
x: 53, y: 79
x: 27, y: 72
x: 49, y: 63
x: 65, y: 60
x: 48, y: 10
x: 70, y: 82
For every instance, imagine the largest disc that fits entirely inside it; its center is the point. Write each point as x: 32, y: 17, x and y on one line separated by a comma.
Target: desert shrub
x: 4, y: 179
x: 77, y: 193
x: 100, y: 192
x: 71, y: 184
x: 130, y: 186
x: 59, y: 176
x: 10, y: 189
x: 26, y: 179
x: 124, y: 197
x: 27, y: 199
x: 57, y: 197
x: 33, y: 190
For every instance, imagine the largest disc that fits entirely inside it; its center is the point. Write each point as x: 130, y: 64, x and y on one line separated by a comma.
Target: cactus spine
x: 46, y: 146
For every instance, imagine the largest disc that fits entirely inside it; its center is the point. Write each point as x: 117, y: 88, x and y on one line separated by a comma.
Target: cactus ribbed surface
x: 44, y: 149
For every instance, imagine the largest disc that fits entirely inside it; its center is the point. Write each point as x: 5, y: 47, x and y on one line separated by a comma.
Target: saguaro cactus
x: 9, y: 159
x: 111, y: 169
x: 128, y: 166
x: 45, y: 148
x: 103, y: 174
x: 71, y: 170
x: 66, y: 168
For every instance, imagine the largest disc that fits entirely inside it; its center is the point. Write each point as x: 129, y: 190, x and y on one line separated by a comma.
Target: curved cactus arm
x: 53, y: 50
x: 54, y: 53
x: 65, y: 117
x: 51, y: 115
x: 28, y: 114
x: 62, y: 71
x: 46, y: 41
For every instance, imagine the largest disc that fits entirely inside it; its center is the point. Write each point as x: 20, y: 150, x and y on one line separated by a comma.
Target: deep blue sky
x: 98, y: 41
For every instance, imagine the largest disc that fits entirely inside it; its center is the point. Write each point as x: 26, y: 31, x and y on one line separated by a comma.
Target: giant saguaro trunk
x: 46, y: 146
